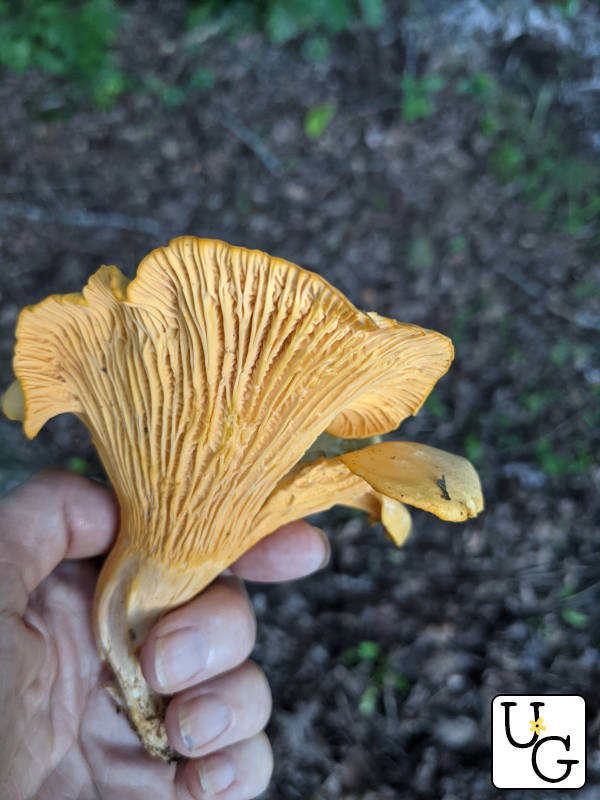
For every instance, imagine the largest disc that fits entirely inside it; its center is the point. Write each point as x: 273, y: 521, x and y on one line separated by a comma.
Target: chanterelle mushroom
x: 203, y: 382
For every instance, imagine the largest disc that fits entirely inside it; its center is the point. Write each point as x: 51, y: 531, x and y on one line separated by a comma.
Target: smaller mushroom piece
x: 13, y: 402
x: 425, y: 477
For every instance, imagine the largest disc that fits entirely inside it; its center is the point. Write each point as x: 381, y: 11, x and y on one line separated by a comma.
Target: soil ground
x: 407, y: 219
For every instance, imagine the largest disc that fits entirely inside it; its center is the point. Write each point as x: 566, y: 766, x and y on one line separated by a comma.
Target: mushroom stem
x: 133, y: 591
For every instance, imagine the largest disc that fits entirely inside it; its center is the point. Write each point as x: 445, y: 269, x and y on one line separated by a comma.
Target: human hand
x: 61, y: 735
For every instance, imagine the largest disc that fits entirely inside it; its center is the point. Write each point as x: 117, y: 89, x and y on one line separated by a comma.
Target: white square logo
x: 538, y: 741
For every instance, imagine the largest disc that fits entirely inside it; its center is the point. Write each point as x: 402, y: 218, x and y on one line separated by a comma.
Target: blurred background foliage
x: 67, y: 40
x: 70, y: 42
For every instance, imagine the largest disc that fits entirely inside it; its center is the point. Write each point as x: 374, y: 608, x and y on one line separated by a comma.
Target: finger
x: 239, y: 772
x: 295, y: 550
x: 54, y: 515
x: 213, y: 633
x: 219, y: 712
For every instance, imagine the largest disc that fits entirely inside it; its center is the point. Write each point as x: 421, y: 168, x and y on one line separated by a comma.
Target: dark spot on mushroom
x: 442, y: 484
x: 132, y: 634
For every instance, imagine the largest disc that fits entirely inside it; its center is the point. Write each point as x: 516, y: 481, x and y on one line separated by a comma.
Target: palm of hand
x: 69, y: 741
x: 61, y: 737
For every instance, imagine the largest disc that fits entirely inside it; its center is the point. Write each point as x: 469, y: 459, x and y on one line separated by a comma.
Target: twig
x: 75, y: 217
x: 580, y: 319
x: 267, y: 158
x: 531, y: 288
x: 375, y: 107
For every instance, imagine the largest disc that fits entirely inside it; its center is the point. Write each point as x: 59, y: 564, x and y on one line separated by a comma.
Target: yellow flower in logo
x: 536, y: 725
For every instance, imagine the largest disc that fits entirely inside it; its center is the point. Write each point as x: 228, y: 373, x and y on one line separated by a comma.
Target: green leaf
x: 561, y: 352
x: 508, y: 160
x: 480, y: 85
x: 334, y: 15
x: 200, y: 15
x: 473, y: 448
x: 316, y: 49
x: 108, y: 85
x: 537, y: 402
x: 373, y: 12
x: 458, y: 244
x: 202, y: 79
x: 435, y: 406
x: 420, y: 254
x: 401, y: 684
x: 576, y: 619
x: 368, y: 651
x: 169, y: 96
x: 417, y: 95
x: 317, y: 119
x: 282, y: 25
x: 433, y: 83
x: 19, y: 56
x: 78, y: 465
x: 368, y: 701
x: 489, y: 124
x: 566, y: 591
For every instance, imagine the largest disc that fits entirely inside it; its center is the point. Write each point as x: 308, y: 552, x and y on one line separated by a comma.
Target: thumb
x: 54, y: 515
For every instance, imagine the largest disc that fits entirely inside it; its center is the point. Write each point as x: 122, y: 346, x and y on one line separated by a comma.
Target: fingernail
x: 180, y: 655
x: 216, y: 773
x: 327, y: 547
x: 203, y: 719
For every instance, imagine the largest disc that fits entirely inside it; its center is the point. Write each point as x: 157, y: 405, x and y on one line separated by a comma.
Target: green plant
x: 557, y: 462
x: 316, y: 48
x: 418, y: 95
x: 528, y: 148
x: 69, y: 41
x: 576, y: 619
x: 457, y: 244
x: 381, y: 675
x: 373, y: 12
x: 479, y: 85
x: 552, y: 462
x: 169, y: 96
x: 284, y: 20
x: 536, y: 402
x: 202, y: 79
x: 570, y: 8
x: 173, y: 95
x: 420, y: 254
x: 473, y: 448
x: 460, y: 322
x: 561, y: 352
x: 437, y: 407
x: 317, y: 119
x: 78, y: 465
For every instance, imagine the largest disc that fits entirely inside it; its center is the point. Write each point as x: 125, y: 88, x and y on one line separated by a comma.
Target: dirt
x: 507, y: 603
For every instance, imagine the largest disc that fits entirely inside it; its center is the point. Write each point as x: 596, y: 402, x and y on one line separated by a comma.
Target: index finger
x: 292, y: 551
x: 54, y: 515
